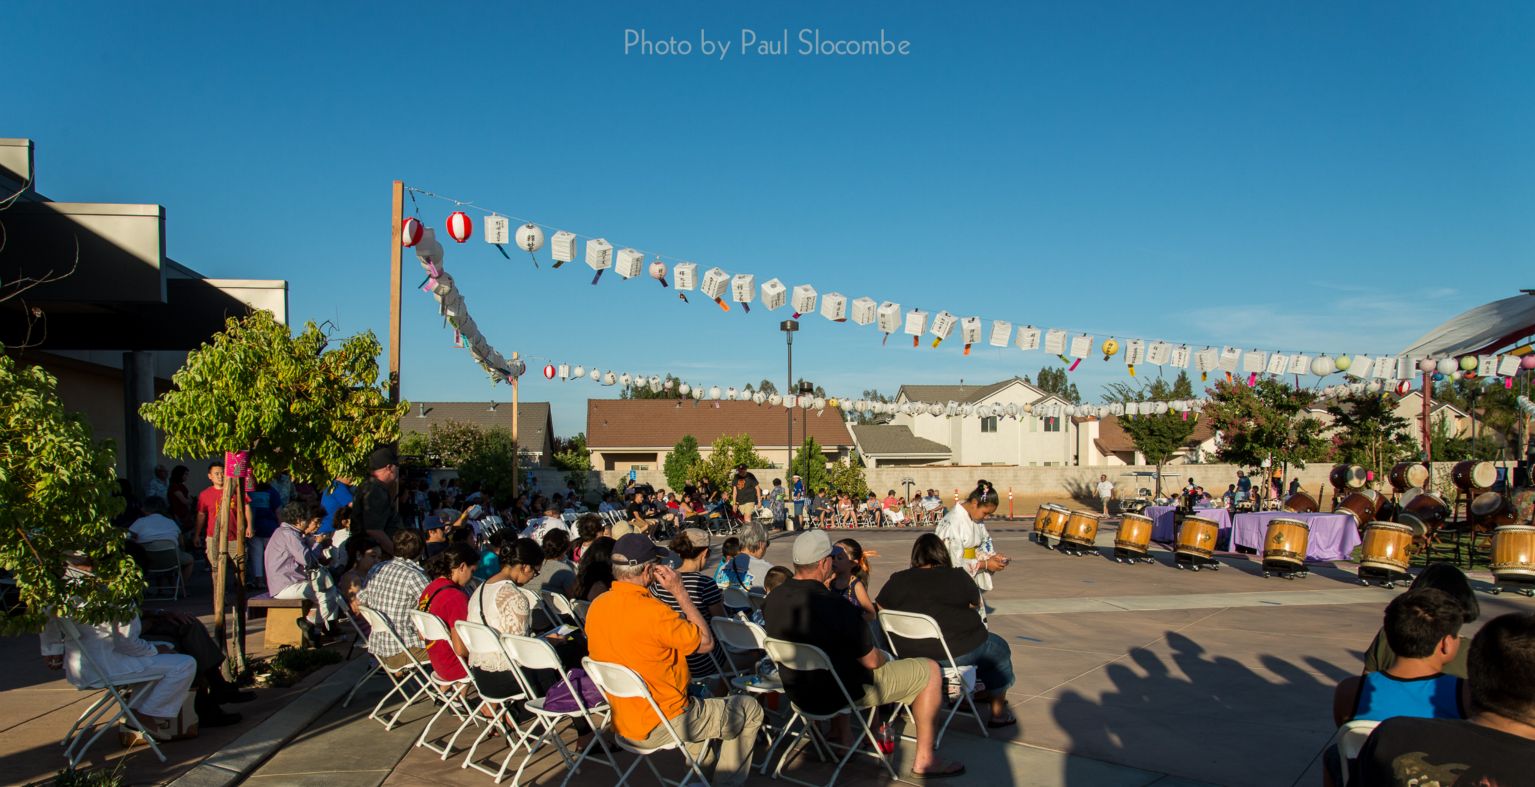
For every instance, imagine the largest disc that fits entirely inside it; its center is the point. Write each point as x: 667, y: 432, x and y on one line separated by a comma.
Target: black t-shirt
x: 1406, y: 751
x: 946, y: 594
x: 804, y: 611
x: 747, y: 492
x: 636, y: 511
x: 374, y: 508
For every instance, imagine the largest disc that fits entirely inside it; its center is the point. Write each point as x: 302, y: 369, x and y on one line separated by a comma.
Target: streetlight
x: 789, y: 327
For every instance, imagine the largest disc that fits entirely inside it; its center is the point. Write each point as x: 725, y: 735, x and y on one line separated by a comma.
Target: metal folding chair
x: 616, y: 680
x: 162, y: 560
x: 912, y: 625
x: 411, y: 681
x: 560, y: 609
x: 111, y: 701
x: 534, y: 653
x: 808, y: 658
x: 479, y: 638
x: 449, y: 692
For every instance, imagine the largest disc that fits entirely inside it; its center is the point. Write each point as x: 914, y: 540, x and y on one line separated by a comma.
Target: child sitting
x: 1423, y: 629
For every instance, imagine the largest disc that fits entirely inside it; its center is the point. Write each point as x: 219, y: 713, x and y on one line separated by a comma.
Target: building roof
x: 1112, y: 437
x: 963, y: 394
x: 660, y: 423
x: 535, y: 424
x: 884, y: 440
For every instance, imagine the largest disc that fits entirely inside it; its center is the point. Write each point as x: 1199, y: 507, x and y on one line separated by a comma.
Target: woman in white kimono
x: 965, y: 536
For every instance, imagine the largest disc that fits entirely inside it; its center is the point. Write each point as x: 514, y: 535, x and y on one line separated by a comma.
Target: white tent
x: 1484, y: 329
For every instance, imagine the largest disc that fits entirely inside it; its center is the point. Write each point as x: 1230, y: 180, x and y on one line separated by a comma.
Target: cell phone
x: 564, y: 630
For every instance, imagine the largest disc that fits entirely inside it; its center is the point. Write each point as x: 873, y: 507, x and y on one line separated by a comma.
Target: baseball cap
x: 810, y: 547
x: 634, y: 548
x: 697, y: 537
x: 382, y: 457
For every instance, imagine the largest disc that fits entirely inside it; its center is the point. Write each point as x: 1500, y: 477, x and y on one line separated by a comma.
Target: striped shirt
x: 704, y: 594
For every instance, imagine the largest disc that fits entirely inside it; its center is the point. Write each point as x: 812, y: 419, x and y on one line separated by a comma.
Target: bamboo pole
x: 516, y: 457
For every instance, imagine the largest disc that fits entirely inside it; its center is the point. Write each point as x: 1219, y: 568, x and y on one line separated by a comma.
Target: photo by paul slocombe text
x: 806, y: 42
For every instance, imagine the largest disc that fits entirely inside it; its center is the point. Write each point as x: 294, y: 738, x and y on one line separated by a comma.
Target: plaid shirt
x: 392, y: 589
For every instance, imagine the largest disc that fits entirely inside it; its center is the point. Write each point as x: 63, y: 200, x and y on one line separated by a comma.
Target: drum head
x: 1419, y: 527
x: 1486, y: 503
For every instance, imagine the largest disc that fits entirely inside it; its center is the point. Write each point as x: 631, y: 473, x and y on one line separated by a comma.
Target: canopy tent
x: 1481, y: 330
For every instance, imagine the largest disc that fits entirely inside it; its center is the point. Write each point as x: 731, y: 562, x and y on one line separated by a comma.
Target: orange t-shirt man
x: 628, y: 626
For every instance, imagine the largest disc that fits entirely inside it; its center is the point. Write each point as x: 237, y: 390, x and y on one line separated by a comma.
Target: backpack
x: 560, y: 700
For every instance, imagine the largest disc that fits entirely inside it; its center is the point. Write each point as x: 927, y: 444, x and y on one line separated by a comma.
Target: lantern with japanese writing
x: 803, y: 299
x: 888, y: 318
x: 943, y: 325
x: 562, y: 247
x: 1001, y: 333
x: 460, y: 226
x: 658, y: 272
x: 970, y: 331
x: 834, y: 306
x: 685, y: 275
x: 774, y: 294
x: 529, y: 238
x: 743, y: 288
x: 863, y: 311
x: 630, y: 263
x: 599, y: 256
x: 714, y: 284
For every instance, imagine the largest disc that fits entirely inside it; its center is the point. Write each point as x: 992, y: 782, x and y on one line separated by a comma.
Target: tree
x: 866, y: 418
x: 1053, y: 380
x: 493, y: 465
x: 1264, y: 422
x: 445, y: 444
x: 573, y: 457
x: 58, y: 491
x: 846, y: 476
x: 679, y: 463
x: 1494, y: 407
x: 766, y: 387
x: 1449, y: 448
x: 727, y: 452
x: 1157, y: 437
x: 810, y: 464
x: 291, y: 401
x: 641, y: 390
x: 1370, y: 433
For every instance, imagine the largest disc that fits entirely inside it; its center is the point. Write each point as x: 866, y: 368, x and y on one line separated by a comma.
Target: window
x: 1052, y: 423
x: 989, y: 424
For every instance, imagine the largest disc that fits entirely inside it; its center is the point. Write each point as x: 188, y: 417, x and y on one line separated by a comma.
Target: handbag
x: 560, y: 700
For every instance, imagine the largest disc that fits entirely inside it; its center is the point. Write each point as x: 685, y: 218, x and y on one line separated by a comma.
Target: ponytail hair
x: 984, y: 494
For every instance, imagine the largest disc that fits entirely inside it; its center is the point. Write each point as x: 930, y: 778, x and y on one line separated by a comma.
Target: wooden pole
x: 397, y: 205
x: 220, y: 569
x: 516, y: 457
x: 1428, y: 442
x: 242, y: 570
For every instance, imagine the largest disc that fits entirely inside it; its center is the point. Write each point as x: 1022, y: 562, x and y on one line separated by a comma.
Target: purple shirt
x: 288, y: 555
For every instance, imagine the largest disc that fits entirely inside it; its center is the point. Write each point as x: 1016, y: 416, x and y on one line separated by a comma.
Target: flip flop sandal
x: 956, y: 769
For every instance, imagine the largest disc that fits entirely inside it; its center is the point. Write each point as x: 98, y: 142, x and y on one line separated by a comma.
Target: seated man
x: 636, y: 519
x: 1423, y: 629
x: 803, y: 610
x: 393, y: 588
x: 1496, y: 746
x: 155, y: 526
x: 293, y: 567
x: 629, y: 626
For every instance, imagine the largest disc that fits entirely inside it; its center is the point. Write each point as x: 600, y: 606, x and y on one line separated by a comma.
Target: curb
x: 231, y: 764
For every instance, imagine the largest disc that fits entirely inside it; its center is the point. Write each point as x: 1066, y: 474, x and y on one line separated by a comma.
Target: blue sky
x: 1287, y: 176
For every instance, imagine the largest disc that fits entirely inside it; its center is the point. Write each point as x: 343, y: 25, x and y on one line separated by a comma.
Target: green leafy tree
x: 445, y: 444
x: 1494, y: 407
x: 57, y: 498
x: 810, y: 464
x: 727, y: 452
x: 573, y: 457
x: 493, y: 465
x: 637, y: 390
x: 847, y: 476
x: 293, y: 401
x: 1448, y: 447
x: 766, y: 387
x: 679, y: 463
x: 1157, y: 437
x: 1267, y: 421
x: 1053, y: 380
x: 1370, y: 433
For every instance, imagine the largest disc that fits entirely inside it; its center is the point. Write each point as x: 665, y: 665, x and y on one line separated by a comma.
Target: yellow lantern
x: 1110, y: 347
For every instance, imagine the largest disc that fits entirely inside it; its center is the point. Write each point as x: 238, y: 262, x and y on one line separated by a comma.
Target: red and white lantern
x: 460, y: 226
x: 410, y: 232
x: 549, y: 371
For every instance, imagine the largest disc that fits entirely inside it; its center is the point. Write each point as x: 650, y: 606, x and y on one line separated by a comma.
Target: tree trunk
x: 1159, y: 480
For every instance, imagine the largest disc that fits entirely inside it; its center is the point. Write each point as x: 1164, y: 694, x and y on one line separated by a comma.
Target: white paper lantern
x: 596, y: 375
x: 758, y: 397
x: 730, y: 393
x: 1001, y: 333
x: 774, y: 294
x: 743, y: 287
x: 609, y: 378
x: 624, y: 379
x: 834, y: 306
x: 714, y: 283
x: 685, y: 276
x: 970, y: 330
x: 1372, y: 387
x: 599, y: 255
x: 803, y: 298
x: 578, y: 372
x: 819, y: 404
x: 529, y: 237
x: 935, y: 409
x: 943, y: 325
x: 562, y: 247
x: 1028, y: 338
x: 714, y: 392
x: 967, y: 410
x: 1012, y: 407
x: 1323, y: 365
x: 630, y: 263
x: 863, y: 310
x: 1427, y: 366
x: 774, y: 399
x: 916, y: 324
x: 1447, y: 365
x: 806, y: 402
x: 952, y: 409
x: 698, y: 391
x: 888, y: 317
x: 655, y: 384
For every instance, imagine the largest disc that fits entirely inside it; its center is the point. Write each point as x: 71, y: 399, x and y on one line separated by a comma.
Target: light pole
x: 789, y: 327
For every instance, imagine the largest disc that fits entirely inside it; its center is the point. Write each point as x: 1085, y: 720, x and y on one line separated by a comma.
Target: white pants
x: 321, y: 591
x: 164, y: 700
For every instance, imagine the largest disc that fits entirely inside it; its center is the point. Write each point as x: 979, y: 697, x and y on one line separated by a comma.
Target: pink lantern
x: 658, y: 272
x: 410, y: 232
x: 1427, y: 365
x: 460, y: 226
x: 1527, y: 362
x: 1403, y: 387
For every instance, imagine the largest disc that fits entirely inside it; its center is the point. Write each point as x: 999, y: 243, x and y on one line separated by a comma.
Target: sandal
x: 1006, y: 721
x: 950, y: 769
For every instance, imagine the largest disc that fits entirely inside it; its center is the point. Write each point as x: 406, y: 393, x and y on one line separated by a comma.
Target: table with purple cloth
x: 1164, y: 521
x: 1332, y: 536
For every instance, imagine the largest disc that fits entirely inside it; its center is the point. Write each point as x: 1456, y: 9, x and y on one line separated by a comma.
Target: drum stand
x: 1525, y: 587
x: 1075, y: 550
x: 1387, y: 577
x: 1194, y: 562
x: 1286, y: 570
x: 1127, y: 556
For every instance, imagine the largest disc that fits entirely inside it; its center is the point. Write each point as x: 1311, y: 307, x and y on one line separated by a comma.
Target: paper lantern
x: 806, y: 402
x: 1403, y: 387
x: 564, y: 371
x: 916, y: 324
x: 429, y: 251
x: 1110, y: 348
x: 698, y: 391
x: 935, y: 409
x: 1457, y: 374
x: 1055, y: 341
x: 1159, y: 408
x: 970, y: 330
x: 460, y: 226
x: 863, y: 311
x: 758, y: 398
x: 1001, y: 333
x: 834, y: 306
x: 1255, y: 362
x: 774, y: 399
x: 1028, y: 338
x: 1343, y: 362
x: 1445, y: 365
x: 596, y: 376
x: 410, y: 232
x: 599, y: 255
x: 624, y: 379
x: 730, y: 394
x: 657, y: 271
x: 1028, y: 409
x: 630, y: 263
x: 1468, y: 362
x: 609, y: 378
x: 497, y: 230
x: 714, y: 283
x: 530, y: 238
x: 579, y: 371
x: 685, y: 275
x: 943, y: 325
x: 790, y: 402
x: 1527, y: 362
x: 684, y: 389
x: 1323, y: 365
x: 1372, y: 387
x: 743, y: 288
x: 966, y: 410
x: 549, y: 371
x: 888, y: 317
x: 803, y: 299
x: 818, y: 403
x: 774, y: 294
x: 1426, y: 365
x: 562, y: 247
x: 714, y: 392
x: 953, y: 409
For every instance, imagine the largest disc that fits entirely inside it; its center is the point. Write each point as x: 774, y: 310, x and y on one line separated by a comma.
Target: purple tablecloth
x: 1332, y: 537
x: 1164, y: 528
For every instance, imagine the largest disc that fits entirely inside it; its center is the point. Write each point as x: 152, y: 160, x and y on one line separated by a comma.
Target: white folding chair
x: 449, y: 692
x: 162, y: 561
x: 1350, y: 740
x: 111, y: 701
x: 560, y: 609
x: 535, y: 653
x: 535, y: 605
x: 735, y: 598
x: 482, y: 639
x: 411, y: 681
x: 808, y: 658
x: 580, y: 606
x: 911, y: 625
x: 746, y: 637
x: 616, y: 680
